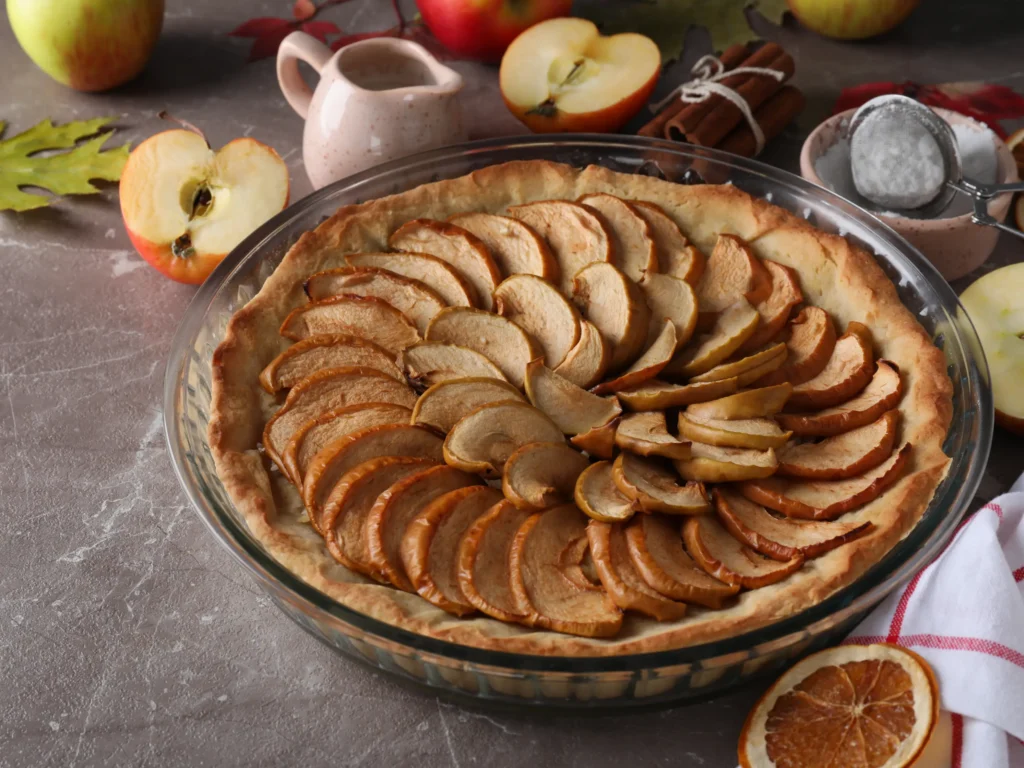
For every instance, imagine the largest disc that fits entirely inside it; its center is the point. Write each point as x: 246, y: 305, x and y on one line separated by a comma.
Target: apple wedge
x: 437, y: 275
x: 779, y: 537
x: 541, y: 587
x: 430, y: 545
x: 647, y: 366
x: 732, y: 327
x: 748, y: 404
x: 635, y: 252
x: 498, y: 339
x: 573, y: 409
x: 432, y: 362
x: 306, y: 357
x: 575, y: 234
x: 775, y: 310
x: 645, y: 433
x: 676, y: 257
x: 365, y: 316
x: 670, y: 298
x: 827, y: 499
x: 443, y: 404
x: 656, y: 549
x: 588, y: 361
x: 542, y: 475
x: 598, y: 442
x: 656, y: 488
x: 514, y: 246
x: 715, y: 464
x: 537, y: 307
x: 624, y: 585
x: 410, y: 297
x: 616, y: 306
x: 465, y: 253
x: 598, y: 496
x: 656, y: 395
x: 733, y: 272
x: 482, y: 440
x: 760, y: 434
x: 845, y: 455
x: 751, y: 367
x: 729, y: 560
x: 812, y: 337
x: 880, y: 395
x: 483, y: 561
x: 847, y: 372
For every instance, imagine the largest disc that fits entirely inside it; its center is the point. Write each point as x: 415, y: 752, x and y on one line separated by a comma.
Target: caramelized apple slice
x: 539, y: 561
x: 676, y: 257
x: 598, y: 496
x: 781, y: 538
x: 656, y: 549
x: 812, y: 338
x: 537, y: 307
x: 431, y: 362
x: 844, y: 455
x: 598, y: 442
x: 656, y: 395
x: 728, y: 560
x: 645, y: 433
x: 325, y: 351
x: 483, y: 561
x: 848, y: 371
x: 635, y: 252
x: 430, y: 546
x: 670, y: 298
x: 647, y: 366
x: 427, y: 269
x: 775, y: 309
x: 498, y: 339
x: 613, y: 303
x: 542, y: 475
x: 732, y: 327
x: 755, y: 362
x: 715, y: 464
x: 619, y: 576
x: 882, y: 393
x: 573, y: 409
x: 656, y: 488
x: 761, y: 434
x: 827, y: 499
x: 748, y: 404
x: 733, y: 272
x: 515, y: 248
x: 588, y: 361
x: 483, y: 440
x: 443, y: 404
x: 365, y: 316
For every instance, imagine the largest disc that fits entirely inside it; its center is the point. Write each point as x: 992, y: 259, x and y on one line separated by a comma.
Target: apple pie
x: 577, y: 412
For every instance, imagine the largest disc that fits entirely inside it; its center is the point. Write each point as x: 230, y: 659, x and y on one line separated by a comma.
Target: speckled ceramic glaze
x: 955, y: 245
x: 377, y: 100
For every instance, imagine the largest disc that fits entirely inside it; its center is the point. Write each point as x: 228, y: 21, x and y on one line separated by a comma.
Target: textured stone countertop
x: 127, y: 635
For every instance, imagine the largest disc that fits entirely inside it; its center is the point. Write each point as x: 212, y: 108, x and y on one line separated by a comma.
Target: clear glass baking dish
x: 615, y: 681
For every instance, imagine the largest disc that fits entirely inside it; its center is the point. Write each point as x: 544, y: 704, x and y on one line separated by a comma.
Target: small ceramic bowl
x: 955, y: 245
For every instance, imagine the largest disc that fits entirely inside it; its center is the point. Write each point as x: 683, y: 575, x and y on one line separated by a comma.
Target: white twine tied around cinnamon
x: 707, y: 72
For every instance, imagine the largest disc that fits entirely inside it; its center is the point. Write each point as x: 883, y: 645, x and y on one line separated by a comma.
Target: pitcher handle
x: 299, y: 46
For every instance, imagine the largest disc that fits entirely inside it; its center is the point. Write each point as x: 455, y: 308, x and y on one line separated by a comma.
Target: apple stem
x: 165, y: 115
x: 546, y: 108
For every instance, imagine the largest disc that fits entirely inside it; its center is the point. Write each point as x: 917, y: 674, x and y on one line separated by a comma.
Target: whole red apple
x: 483, y: 29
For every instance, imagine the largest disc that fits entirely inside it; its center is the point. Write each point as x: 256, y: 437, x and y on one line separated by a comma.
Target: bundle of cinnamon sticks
x: 717, y: 122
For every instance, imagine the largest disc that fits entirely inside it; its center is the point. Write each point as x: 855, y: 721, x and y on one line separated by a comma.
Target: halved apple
x: 443, y: 404
x: 670, y: 298
x: 429, y: 270
x: 715, y: 464
x: 676, y: 257
x: 598, y: 496
x: 483, y: 561
x: 598, y: 442
x: 615, y: 304
x: 731, y: 328
x: 733, y: 272
x: 760, y: 433
x: 365, y: 316
x: 537, y: 307
x: 483, y: 440
x: 514, y: 246
x: 541, y: 475
x: 845, y: 455
x: 635, y: 252
x: 588, y: 361
x: 329, y: 350
x: 562, y: 75
x: 847, y: 372
x: 573, y: 409
x: 775, y: 309
x: 656, y: 488
x: 498, y: 339
x: 464, y: 252
x: 812, y: 338
x: 645, y: 433
x: 432, y: 362
x: 656, y: 395
x: 748, y: 404
x: 647, y: 366
x: 729, y: 560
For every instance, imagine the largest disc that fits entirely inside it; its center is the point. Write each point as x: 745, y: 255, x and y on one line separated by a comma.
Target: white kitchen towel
x: 964, y: 613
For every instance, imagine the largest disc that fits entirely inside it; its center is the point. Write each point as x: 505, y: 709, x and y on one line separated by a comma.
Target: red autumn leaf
x: 259, y: 27
x: 321, y: 29
x: 303, y: 10
x: 267, y: 45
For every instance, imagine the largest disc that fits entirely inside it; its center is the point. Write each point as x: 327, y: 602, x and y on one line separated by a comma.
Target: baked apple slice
x: 430, y: 546
x: 622, y: 582
x: 396, y: 507
x: 432, y: 362
x: 812, y: 338
x: 656, y: 549
x: 676, y: 257
x: 717, y: 464
x: 847, y: 372
x: 464, y: 252
x: 781, y: 538
x: 514, y: 246
x: 443, y: 404
x: 760, y: 434
x: 429, y: 270
x: 598, y: 496
x: 483, y: 561
x: 647, y: 366
x: 483, y: 440
x: 656, y: 395
x: 775, y: 310
x: 670, y: 298
x: 827, y: 499
x: 537, y: 307
x: 635, y: 252
x: 733, y: 326
x: 365, y: 316
x: 844, y: 455
x: 613, y: 303
x: 498, y: 339
x: 573, y: 409
x: 575, y: 234
x: 542, y: 475
x: 323, y: 351
x: 588, y: 361
x: 881, y: 394
x: 748, y: 404
x: 733, y: 272
x: 645, y: 433
x: 598, y: 442
x: 656, y: 488
x: 729, y: 560
x: 745, y: 366
x: 541, y: 587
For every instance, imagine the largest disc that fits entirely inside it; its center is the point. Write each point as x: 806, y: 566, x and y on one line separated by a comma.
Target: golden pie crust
x: 834, y: 275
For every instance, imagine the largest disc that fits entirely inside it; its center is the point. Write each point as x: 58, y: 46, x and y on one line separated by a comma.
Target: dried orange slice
x: 871, y: 706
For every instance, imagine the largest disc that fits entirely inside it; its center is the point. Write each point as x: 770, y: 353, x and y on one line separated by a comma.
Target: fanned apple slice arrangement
x: 566, y: 413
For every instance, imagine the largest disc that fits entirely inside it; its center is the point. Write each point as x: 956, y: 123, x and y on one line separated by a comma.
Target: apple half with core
x: 186, y: 207
x: 563, y: 75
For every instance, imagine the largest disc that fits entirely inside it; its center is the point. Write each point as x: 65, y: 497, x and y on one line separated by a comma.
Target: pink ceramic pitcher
x: 376, y: 100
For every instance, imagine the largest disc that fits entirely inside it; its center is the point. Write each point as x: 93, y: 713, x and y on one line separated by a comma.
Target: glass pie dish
x: 573, y: 682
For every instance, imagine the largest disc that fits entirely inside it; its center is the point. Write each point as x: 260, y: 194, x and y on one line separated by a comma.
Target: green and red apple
x: 851, y: 19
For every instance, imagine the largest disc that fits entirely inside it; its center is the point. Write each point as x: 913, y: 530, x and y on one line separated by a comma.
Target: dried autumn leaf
x: 65, y: 173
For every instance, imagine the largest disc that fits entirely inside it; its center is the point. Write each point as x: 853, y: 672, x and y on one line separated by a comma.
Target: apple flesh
x: 851, y: 19
x: 186, y: 207
x: 89, y: 45
x: 563, y: 75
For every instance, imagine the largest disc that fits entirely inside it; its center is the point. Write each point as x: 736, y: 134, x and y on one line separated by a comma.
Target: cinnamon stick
x: 773, y: 116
